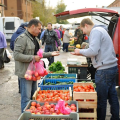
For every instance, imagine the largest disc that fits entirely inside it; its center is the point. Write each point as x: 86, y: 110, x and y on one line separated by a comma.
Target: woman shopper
x: 66, y: 39
x: 3, y: 45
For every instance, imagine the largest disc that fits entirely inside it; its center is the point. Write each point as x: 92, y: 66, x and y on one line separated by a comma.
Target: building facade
x: 1, y: 8
x: 18, y: 8
x: 116, y: 3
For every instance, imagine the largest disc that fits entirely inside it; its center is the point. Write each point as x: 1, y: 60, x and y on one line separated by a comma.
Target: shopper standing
x: 102, y: 54
x: 3, y: 45
x: 66, y: 39
x: 25, y: 50
x: 49, y: 38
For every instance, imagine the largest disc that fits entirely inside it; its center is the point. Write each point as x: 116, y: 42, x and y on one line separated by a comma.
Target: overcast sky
x: 78, y: 4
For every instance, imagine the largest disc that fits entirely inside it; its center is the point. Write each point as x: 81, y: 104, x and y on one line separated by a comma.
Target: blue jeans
x: 19, y: 84
x: 27, y: 88
x: 65, y: 46
x: 49, y: 48
x: 105, y: 87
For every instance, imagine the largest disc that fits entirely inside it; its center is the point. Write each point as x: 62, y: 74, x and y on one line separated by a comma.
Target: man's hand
x: 59, y: 48
x: 37, y: 58
x: 42, y: 47
x: 76, y: 52
x: 55, y: 53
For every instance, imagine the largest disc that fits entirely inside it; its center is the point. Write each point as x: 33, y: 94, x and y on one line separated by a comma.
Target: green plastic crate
x: 29, y: 116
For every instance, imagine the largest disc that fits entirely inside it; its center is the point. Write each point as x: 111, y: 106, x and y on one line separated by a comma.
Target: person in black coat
x: 19, y: 31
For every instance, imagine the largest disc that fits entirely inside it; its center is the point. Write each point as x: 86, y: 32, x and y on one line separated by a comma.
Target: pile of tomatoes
x: 53, y: 95
x: 87, y: 88
x: 48, y: 109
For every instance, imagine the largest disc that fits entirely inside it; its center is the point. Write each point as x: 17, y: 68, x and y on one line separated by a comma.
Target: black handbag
x: 5, y: 58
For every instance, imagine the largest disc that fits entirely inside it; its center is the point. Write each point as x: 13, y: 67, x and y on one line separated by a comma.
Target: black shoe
x: 2, y: 67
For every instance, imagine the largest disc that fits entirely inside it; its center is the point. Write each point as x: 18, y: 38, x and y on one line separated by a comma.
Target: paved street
x: 9, y: 96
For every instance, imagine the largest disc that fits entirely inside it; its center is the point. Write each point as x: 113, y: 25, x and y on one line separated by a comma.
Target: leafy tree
x: 46, y: 14
x: 61, y: 8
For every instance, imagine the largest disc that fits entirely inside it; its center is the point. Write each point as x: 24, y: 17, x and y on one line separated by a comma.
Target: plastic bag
x: 31, y: 73
x: 5, y: 57
x: 40, y: 69
x: 61, y: 107
x: 8, y: 54
x: 40, y: 66
x: 35, y: 69
x: 40, y: 53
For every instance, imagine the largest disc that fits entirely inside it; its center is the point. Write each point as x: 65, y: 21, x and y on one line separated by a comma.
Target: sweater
x: 3, y: 43
x: 66, y: 37
x: 101, y: 50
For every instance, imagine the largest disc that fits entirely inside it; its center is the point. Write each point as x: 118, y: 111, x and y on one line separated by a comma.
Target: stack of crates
x: 87, y: 102
x: 71, y: 78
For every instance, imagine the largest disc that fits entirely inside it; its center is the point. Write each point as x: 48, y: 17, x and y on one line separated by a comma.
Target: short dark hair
x: 34, y: 22
x: 49, y: 24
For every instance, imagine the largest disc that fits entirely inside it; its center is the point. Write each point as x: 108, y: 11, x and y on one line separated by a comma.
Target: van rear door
x: 10, y: 26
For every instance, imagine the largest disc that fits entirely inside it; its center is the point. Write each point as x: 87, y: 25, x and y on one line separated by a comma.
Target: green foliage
x: 56, y: 67
x: 61, y: 8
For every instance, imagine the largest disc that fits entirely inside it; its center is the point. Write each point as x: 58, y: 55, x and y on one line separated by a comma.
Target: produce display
x: 87, y: 88
x: 50, y: 109
x: 60, y: 76
x: 57, y: 67
x: 59, y: 83
x: 72, y: 41
x: 78, y: 46
x: 53, y: 95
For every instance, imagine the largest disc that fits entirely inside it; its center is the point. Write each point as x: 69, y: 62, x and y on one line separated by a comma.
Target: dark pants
x: 105, y: 87
x: 19, y: 84
x: 27, y: 87
x: 92, y: 71
x: 65, y: 46
x: 1, y: 58
x: 49, y: 48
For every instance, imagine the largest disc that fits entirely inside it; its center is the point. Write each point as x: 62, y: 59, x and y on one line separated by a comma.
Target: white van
x: 8, y: 25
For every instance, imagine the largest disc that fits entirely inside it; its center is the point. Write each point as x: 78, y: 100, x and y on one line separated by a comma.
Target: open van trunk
x: 113, y: 26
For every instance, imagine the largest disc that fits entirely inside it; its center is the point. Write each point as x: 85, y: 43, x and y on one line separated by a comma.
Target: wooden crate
x: 91, y: 115
x: 36, y: 93
x: 85, y: 96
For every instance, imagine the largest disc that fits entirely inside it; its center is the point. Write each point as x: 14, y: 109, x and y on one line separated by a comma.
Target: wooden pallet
x: 86, y: 100
x: 36, y: 93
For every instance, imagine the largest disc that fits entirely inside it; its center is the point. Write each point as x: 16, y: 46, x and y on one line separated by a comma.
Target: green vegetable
x: 59, y: 83
x: 56, y: 66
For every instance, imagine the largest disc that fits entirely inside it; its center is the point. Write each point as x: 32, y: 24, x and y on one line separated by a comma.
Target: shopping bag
x: 40, y: 69
x: 30, y: 73
x: 35, y: 71
x: 5, y: 58
x: 8, y: 54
